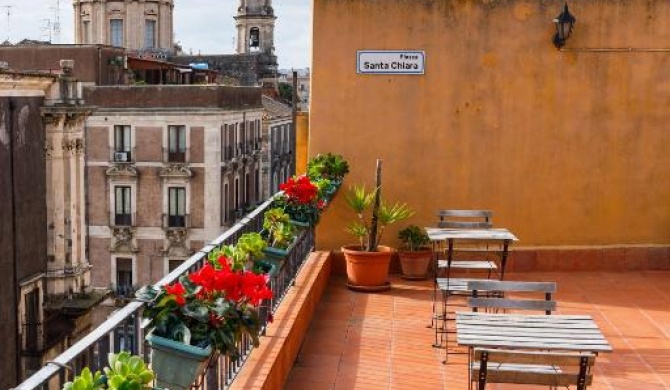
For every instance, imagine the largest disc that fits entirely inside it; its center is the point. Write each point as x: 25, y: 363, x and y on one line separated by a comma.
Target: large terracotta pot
x: 415, y: 265
x: 367, y: 271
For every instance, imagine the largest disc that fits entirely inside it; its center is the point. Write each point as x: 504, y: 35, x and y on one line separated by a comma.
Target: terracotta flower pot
x: 367, y: 271
x: 415, y: 265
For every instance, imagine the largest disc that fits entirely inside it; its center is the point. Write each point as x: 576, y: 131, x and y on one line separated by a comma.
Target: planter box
x: 176, y: 365
x: 300, y: 224
x: 278, y: 256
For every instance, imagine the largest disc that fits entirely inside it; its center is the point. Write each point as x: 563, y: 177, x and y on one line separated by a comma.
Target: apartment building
x: 279, y: 156
x: 44, y: 271
x: 168, y: 169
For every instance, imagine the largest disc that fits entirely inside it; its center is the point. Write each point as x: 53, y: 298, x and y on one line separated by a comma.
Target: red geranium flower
x: 178, y: 290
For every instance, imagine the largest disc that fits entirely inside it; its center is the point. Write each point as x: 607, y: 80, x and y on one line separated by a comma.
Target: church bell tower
x: 255, y: 22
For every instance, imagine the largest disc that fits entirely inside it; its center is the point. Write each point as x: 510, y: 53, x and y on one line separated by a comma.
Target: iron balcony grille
x: 124, y: 330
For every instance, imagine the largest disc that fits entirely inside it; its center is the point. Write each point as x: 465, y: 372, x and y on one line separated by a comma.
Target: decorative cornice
x: 176, y: 243
x: 72, y: 116
x: 122, y: 170
x: 123, y: 240
x: 175, y: 170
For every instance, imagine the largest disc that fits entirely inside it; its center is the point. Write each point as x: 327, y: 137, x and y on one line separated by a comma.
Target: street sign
x: 391, y: 62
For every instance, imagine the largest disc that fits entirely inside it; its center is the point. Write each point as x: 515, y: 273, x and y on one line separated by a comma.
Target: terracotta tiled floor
x: 380, y: 340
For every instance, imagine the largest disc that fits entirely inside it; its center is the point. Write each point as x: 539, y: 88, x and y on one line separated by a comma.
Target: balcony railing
x: 124, y: 330
x: 175, y: 222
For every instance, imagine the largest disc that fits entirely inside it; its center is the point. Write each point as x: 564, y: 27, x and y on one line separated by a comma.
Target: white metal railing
x: 123, y: 330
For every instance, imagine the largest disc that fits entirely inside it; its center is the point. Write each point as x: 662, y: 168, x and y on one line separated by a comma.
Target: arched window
x: 254, y: 37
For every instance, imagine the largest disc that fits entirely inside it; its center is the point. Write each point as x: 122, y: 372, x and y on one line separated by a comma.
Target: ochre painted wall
x: 567, y: 148
x: 302, y: 139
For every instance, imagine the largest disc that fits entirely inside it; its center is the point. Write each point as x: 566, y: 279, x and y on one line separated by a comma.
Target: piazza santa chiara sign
x: 391, y: 62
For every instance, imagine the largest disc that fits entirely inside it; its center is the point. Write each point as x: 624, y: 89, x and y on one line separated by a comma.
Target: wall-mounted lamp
x: 564, y: 24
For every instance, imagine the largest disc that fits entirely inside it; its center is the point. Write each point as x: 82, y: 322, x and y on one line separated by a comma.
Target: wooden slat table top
x: 550, y: 332
x: 439, y: 234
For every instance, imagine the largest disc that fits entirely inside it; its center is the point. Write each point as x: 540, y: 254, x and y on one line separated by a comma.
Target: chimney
x: 67, y: 83
x: 67, y: 66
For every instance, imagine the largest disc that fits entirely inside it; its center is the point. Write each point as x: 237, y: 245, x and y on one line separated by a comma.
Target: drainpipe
x: 15, y: 273
x: 294, y: 113
x: 98, y: 77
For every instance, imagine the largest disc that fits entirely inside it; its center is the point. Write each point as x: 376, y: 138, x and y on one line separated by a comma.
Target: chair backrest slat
x: 495, y: 285
x: 465, y: 219
x: 518, y: 304
x: 489, y: 294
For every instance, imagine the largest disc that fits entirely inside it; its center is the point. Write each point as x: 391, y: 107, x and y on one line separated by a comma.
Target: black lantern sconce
x: 564, y: 25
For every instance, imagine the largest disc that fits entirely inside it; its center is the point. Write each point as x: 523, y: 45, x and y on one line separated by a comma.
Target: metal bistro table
x: 437, y: 235
x: 520, y: 331
x: 553, y: 333
x: 448, y: 285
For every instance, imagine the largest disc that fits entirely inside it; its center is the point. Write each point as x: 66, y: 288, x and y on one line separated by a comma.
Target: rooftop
x: 380, y: 340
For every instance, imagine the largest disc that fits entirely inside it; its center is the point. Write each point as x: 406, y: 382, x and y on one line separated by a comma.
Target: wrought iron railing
x: 123, y: 330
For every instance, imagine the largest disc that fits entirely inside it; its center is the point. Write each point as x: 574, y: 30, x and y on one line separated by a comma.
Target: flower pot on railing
x: 177, y: 365
x: 299, y: 224
x: 278, y: 256
x: 265, y: 267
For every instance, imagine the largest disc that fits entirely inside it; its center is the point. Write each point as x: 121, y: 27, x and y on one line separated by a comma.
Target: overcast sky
x: 204, y: 26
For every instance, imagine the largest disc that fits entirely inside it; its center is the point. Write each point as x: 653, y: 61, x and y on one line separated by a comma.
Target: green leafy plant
x: 86, y: 381
x: 330, y: 166
x: 249, y: 247
x: 124, y: 372
x: 413, y: 238
x: 325, y: 187
x: 373, y: 215
x: 278, y: 228
x: 127, y: 372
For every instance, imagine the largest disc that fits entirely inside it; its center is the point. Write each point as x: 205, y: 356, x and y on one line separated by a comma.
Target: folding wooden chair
x: 531, y: 367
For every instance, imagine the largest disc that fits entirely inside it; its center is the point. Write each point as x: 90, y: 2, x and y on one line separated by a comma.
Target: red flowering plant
x: 300, y: 199
x: 213, y: 306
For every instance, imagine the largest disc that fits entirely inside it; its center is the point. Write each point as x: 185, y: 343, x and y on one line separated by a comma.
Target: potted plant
x: 246, y: 253
x: 329, y: 166
x: 207, y: 310
x: 300, y: 200
x: 415, y: 255
x: 368, y: 262
x: 124, y: 372
x: 280, y: 233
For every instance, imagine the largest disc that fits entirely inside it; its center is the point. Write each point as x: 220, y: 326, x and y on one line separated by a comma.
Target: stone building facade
x: 169, y: 168
x: 138, y: 25
x: 44, y: 270
x: 279, y: 146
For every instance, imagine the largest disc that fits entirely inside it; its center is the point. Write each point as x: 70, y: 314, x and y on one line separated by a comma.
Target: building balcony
x: 342, y: 339
x: 176, y: 222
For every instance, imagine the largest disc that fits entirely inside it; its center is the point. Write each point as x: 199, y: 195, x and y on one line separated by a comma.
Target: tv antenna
x: 8, y: 12
x: 55, y: 26
x: 47, y: 29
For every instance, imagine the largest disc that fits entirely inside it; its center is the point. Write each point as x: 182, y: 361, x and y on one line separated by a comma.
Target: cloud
x: 204, y: 26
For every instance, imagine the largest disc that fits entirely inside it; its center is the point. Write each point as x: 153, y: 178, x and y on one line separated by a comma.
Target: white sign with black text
x: 391, y: 62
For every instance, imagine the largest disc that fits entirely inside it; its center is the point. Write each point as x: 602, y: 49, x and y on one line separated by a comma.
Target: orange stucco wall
x: 301, y: 142
x: 568, y: 148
